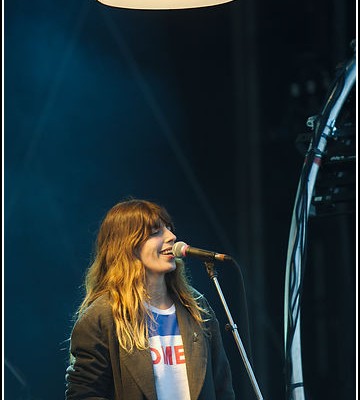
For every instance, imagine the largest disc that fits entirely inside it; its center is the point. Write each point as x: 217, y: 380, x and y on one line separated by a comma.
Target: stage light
x: 162, y: 4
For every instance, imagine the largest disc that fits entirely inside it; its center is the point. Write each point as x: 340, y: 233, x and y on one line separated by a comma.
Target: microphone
x: 181, y: 249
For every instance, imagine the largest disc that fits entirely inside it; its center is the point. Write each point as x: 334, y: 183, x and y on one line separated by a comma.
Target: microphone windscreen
x: 178, y: 249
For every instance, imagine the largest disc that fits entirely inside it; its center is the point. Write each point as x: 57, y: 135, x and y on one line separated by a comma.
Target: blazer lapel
x: 195, y: 350
x: 139, y: 364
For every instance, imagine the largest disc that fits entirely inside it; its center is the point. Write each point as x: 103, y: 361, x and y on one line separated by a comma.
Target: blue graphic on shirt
x: 166, y: 325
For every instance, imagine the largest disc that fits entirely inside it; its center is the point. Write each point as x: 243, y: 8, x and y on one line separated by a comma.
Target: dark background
x: 198, y: 110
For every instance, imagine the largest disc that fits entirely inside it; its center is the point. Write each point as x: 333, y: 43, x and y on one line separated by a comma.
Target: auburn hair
x: 117, y: 270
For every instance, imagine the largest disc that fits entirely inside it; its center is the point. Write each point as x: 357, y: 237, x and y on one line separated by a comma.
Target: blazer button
x: 195, y: 337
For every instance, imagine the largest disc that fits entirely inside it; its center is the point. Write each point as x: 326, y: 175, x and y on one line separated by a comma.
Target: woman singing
x: 141, y: 331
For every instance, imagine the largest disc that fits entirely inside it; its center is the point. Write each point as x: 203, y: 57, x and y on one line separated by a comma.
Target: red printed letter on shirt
x: 167, y: 355
x: 179, y: 354
x: 156, y: 354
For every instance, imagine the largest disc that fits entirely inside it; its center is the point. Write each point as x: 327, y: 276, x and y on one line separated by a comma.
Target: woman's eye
x: 158, y: 231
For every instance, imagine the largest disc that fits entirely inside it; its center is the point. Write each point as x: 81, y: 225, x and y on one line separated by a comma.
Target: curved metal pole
x: 325, y: 127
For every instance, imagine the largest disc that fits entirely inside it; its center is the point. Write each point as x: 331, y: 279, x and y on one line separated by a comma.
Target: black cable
x: 246, y: 309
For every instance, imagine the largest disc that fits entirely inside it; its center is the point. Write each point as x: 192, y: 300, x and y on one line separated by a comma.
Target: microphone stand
x: 210, y: 268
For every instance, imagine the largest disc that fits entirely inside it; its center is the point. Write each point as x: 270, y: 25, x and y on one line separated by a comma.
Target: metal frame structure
x: 324, y: 127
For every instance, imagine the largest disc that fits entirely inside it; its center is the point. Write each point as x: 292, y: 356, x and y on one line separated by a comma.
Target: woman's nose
x: 170, y: 236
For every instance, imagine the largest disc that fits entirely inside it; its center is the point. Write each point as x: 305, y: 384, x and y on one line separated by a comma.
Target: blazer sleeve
x: 89, y: 375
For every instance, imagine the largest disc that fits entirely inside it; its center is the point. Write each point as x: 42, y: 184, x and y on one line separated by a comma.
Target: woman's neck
x: 159, y: 295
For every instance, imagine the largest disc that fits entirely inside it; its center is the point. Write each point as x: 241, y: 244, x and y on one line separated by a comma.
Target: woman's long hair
x: 117, y: 270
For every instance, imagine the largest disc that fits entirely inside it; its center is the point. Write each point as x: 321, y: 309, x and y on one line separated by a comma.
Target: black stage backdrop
x: 199, y: 110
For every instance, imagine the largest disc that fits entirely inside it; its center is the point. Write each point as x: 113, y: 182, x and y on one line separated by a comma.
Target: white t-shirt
x: 167, y: 352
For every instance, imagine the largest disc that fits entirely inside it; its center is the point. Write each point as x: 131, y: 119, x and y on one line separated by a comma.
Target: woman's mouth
x: 167, y: 252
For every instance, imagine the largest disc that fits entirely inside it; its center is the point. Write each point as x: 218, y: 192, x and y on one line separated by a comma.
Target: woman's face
x: 156, y: 252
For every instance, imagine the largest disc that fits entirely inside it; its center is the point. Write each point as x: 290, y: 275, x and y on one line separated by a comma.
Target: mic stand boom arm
x: 232, y: 326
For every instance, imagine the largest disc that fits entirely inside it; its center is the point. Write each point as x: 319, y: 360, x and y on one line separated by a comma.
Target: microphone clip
x: 211, y: 270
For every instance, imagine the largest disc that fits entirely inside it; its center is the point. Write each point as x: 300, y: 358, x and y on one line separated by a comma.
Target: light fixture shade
x: 162, y: 4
